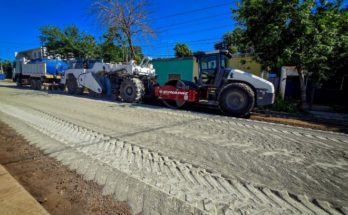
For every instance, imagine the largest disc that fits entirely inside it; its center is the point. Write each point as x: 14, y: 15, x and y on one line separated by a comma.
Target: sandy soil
x: 268, y: 156
x: 58, y: 189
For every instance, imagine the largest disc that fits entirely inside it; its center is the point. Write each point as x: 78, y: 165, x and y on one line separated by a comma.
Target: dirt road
x: 59, y: 190
x: 181, y: 162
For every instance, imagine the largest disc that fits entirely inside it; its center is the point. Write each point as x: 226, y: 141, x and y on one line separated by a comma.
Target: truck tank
x: 53, y: 67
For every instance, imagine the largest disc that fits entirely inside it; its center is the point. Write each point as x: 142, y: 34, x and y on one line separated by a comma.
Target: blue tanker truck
x: 34, y: 68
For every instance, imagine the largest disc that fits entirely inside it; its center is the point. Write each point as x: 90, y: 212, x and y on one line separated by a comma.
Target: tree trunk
x: 312, y: 96
x: 303, y: 87
x: 130, y: 43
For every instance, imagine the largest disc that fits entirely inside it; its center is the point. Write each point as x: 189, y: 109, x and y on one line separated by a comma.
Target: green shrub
x: 283, y: 106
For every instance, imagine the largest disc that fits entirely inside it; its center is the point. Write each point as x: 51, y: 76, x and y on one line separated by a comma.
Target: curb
x: 14, y: 199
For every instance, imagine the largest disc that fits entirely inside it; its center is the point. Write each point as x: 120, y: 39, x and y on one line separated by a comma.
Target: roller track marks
x: 150, y: 181
x: 276, y: 129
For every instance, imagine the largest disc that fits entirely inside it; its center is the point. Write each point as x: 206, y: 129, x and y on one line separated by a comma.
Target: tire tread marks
x: 98, y: 157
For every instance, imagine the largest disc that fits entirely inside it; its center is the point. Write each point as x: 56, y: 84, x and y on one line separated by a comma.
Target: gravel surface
x: 182, y: 162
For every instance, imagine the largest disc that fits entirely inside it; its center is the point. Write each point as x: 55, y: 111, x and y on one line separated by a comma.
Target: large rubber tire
x: 38, y: 84
x: 93, y: 94
x: 237, y: 99
x: 72, y: 86
x: 33, y: 84
x: 18, y: 81
x: 132, y: 90
x: 115, y: 83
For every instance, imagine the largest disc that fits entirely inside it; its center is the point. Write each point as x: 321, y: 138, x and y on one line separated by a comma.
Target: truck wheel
x: 38, y: 84
x: 18, y: 82
x: 132, y: 90
x: 33, y: 84
x: 72, y: 86
x: 237, y: 99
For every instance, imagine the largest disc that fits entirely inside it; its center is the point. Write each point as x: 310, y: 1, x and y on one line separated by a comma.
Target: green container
x: 174, y: 69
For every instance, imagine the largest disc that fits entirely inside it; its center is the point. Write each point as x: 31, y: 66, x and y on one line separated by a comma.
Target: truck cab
x: 211, y: 66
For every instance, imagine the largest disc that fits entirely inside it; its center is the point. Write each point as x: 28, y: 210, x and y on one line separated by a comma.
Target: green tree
x: 338, y: 61
x: 87, y: 47
x: 138, y: 53
x: 53, y: 38
x: 114, y: 49
x: 302, y: 33
x: 182, y: 50
x: 6, y: 67
x: 108, y: 50
x: 127, y: 17
x: 234, y: 42
x: 68, y: 42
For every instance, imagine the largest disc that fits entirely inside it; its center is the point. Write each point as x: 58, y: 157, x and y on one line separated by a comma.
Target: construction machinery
x: 127, y: 82
x: 235, y: 92
x: 34, y: 68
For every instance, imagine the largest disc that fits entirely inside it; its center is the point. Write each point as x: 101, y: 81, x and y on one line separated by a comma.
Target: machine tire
x: 237, y: 99
x: 132, y: 90
x: 33, y: 84
x: 115, y: 87
x: 38, y: 84
x: 93, y: 94
x: 18, y: 81
x: 72, y: 86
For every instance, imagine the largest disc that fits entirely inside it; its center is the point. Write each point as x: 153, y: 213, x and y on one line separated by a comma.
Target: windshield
x: 224, y: 61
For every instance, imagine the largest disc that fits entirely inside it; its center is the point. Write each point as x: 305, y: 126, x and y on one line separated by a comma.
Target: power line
x: 169, y: 46
x: 200, y: 30
x: 166, y: 47
x: 170, y: 51
x: 196, y: 42
x: 192, y: 11
x: 192, y: 21
x: 190, y: 41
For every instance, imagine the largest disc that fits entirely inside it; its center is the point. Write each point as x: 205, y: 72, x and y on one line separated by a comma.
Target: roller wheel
x: 237, y: 99
x: 132, y: 90
x: 175, y: 104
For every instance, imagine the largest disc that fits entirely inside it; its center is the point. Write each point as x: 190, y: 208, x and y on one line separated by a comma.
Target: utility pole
x: 1, y: 69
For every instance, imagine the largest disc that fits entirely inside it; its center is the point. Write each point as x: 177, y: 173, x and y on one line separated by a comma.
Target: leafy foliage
x: 182, y: 50
x: 68, y: 42
x: 234, y: 42
x: 6, y: 67
x: 108, y: 50
x: 338, y: 61
x: 283, y: 106
x: 302, y: 33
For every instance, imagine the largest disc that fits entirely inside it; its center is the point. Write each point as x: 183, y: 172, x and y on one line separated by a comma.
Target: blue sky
x: 21, y: 19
